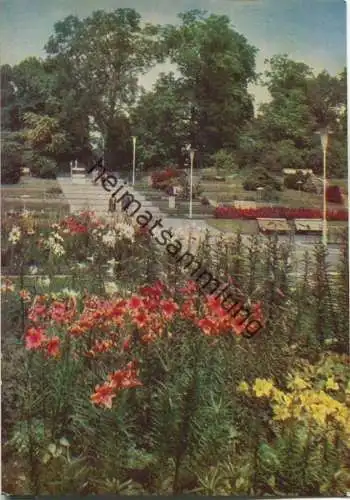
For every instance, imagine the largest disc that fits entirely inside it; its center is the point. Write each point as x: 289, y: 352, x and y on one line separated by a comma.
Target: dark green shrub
x: 224, y: 160
x: 251, y: 185
x: 296, y: 181
x: 260, y: 177
x: 44, y: 167
x: 11, y: 161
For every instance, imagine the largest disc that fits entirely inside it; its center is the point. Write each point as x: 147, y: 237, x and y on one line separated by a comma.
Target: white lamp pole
x: 133, y: 159
x: 192, y: 152
x: 324, y: 143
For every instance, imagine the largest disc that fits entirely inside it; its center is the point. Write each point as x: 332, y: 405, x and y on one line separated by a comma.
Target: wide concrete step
x: 185, y: 215
x: 183, y: 205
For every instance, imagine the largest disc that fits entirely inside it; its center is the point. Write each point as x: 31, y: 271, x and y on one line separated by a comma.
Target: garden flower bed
x: 229, y: 212
x: 149, y: 388
x: 160, y: 179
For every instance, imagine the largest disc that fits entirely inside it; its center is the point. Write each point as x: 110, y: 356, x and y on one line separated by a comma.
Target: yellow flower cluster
x: 306, y: 402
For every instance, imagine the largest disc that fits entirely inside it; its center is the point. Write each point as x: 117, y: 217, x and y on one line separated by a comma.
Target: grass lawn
x: 33, y: 183
x: 39, y: 197
x: 232, y: 189
x: 233, y: 226
x: 343, y: 183
x: 335, y: 228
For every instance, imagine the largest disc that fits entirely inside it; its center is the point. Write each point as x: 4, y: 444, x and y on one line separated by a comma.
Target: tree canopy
x: 93, y: 73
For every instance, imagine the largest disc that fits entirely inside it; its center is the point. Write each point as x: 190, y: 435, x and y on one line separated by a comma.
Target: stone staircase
x: 181, y: 209
x: 85, y: 195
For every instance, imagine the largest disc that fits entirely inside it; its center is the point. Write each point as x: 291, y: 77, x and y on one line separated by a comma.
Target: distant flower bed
x: 229, y: 212
x: 161, y: 178
x: 75, y: 238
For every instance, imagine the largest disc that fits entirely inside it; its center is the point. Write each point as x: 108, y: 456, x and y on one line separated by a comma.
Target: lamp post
x: 192, y: 153
x: 133, y: 159
x: 324, y: 133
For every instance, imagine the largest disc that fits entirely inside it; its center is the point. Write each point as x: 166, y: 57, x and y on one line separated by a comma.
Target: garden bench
x: 308, y: 225
x: 273, y: 225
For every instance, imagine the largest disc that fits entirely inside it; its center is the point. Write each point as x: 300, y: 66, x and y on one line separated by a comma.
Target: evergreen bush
x: 295, y: 181
x: 11, y: 160
x: 261, y: 177
x: 43, y: 167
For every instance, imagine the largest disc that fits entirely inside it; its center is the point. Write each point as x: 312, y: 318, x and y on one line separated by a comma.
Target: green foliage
x: 283, y: 134
x: 325, y: 93
x: 43, y: 134
x: 43, y: 167
x: 87, y: 83
x: 285, y: 75
x: 9, y: 117
x: 11, y: 158
x: 295, y: 181
x: 151, y: 118
x: 337, y: 156
x: 270, y: 194
x: 216, y: 64
x: 35, y: 87
x: 281, y: 155
x: 187, y: 428
x: 100, y: 69
x: 261, y: 177
x: 13, y: 376
x: 223, y: 160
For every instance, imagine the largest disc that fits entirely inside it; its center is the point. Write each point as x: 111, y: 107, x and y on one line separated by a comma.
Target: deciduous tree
x: 216, y: 65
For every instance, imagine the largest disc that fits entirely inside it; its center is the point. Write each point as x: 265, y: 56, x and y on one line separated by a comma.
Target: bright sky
x: 312, y: 31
